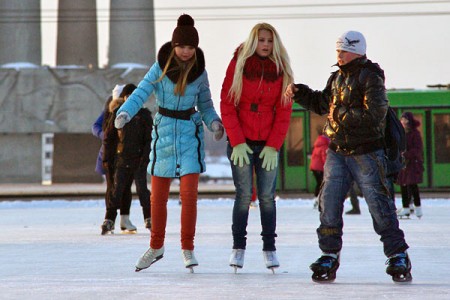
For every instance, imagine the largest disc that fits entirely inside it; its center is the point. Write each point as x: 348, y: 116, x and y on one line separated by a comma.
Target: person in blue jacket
x: 180, y: 83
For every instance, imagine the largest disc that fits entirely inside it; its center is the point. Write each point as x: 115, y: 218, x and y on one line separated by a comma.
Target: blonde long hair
x: 183, y: 67
x: 279, y: 56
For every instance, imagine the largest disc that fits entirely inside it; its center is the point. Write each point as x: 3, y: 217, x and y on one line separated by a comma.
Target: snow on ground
x: 52, y: 249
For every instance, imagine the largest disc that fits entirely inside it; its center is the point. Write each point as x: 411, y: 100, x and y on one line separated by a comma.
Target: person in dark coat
x: 356, y: 104
x: 97, y: 131
x: 126, y: 156
x: 412, y: 174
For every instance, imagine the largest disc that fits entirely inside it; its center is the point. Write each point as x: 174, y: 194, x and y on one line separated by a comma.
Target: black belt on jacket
x: 177, y: 114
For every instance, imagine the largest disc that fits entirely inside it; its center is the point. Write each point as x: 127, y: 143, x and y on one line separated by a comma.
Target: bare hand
x: 290, y: 91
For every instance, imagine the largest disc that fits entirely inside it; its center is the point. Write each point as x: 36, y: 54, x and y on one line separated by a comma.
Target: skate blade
x: 155, y: 260
x: 236, y: 267
x: 125, y: 231
x: 107, y: 232
x: 191, y: 268
x: 402, y: 278
x: 323, y: 278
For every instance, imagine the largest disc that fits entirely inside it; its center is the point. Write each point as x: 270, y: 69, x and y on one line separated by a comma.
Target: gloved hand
x: 217, y: 128
x: 121, y: 119
x: 239, y: 154
x: 270, y: 158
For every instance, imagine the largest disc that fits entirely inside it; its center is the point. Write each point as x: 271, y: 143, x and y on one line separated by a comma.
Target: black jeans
x: 123, y: 179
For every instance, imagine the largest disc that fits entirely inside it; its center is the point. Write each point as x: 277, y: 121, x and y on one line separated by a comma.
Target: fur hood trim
x: 173, y: 72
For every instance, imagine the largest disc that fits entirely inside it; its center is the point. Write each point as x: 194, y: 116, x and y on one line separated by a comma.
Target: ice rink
x: 52, y: 249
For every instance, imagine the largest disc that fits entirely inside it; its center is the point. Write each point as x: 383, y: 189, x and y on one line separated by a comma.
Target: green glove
x: 270, y: 158
x: 239, y: 154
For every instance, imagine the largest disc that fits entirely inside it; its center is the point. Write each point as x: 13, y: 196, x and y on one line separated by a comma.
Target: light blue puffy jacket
x: 177, y: 145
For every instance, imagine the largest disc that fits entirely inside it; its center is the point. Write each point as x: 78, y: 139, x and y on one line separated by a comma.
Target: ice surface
x: 52, y: 249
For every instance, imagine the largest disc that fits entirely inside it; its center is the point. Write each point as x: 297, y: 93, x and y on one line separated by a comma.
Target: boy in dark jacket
x: 356, y: 103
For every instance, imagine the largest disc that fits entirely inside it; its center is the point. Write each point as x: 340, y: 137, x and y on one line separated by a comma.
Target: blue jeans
x: 369, y: 172
x: 265, y: 186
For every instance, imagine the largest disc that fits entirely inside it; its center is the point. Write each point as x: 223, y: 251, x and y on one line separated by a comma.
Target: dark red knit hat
x: 185, y: 32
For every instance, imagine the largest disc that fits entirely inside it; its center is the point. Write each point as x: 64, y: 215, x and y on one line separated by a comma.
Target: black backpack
x: 395, y: 142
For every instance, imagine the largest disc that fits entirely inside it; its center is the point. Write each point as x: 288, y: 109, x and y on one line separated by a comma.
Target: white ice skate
x: 403, y: 213
x: 271, y: 260
x: 149, y: 257
x: 237, y: 259
x: 126, y: 226
x: 189, y: 259
x: 419, y: 212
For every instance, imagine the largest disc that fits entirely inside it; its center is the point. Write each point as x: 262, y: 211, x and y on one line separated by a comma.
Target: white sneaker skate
x: 126, y: 225
x: 271, y: 260
x: 237, y: 259
x: 149, y: 257
x: 419, y: 212
x: 189, y: 259
x: 403, y: 213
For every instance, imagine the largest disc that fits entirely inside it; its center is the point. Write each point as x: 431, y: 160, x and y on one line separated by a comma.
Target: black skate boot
x: 107, y: 227
x: 324, y: 269
x: 399, y: 267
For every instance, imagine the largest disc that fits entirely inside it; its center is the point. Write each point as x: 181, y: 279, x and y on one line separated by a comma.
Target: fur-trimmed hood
x: 172, y: 72
x: 257, y: 67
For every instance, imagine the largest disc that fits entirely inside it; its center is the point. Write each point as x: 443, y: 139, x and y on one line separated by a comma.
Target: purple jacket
x: 98, y: 132
x: 413, y: 171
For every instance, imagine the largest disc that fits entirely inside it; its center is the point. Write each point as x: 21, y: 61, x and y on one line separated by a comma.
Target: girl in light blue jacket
x: 180, y: 83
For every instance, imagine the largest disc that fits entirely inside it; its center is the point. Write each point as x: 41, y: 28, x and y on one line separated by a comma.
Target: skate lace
x: 239, y: 254
x: 269, y: 255
x: 150, y: 253
x: 187, y: 255
x: 396, y: 260
x: 326, y: 260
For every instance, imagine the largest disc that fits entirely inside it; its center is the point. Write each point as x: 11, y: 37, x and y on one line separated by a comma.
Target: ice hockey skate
x: 271, y: 260
x: 149, y: 258
x: 107, y: 227
x: 403, y: 213
x: 126, y: 226
x: 399, y: 267
x: 237, y: 259
x: 325, y: 267
x: 189, y: 259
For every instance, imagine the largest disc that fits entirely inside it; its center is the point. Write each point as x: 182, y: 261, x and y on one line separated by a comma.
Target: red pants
x: 158, y: 200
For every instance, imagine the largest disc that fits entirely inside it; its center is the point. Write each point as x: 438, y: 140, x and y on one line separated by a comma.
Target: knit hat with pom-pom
x: 185, y: 33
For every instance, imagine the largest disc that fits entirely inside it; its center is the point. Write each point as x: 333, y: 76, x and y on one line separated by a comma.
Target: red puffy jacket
x: 260, y: 114
x: 319, y: 153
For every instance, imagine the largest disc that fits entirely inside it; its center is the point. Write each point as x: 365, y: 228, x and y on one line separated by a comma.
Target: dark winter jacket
x: 110, y: 136
x: 133, y: 148
x: 413, y: 171
x: 356, y: 103
x: 260, y: 114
